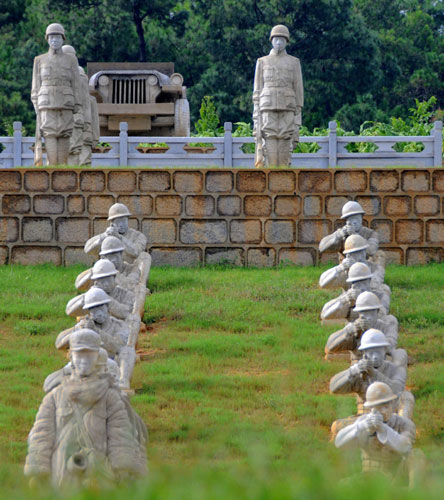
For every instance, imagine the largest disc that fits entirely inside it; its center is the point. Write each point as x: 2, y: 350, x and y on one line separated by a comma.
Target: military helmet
x: 111, y: 244
x: 118, y: 210
x: 378, y: 393
x: 351, y: 208
x: 55, y: 29
x: 373, y: 338
x: 103, y: 268
x: 84, y: 339
x: 367, y: 301
x: 354, y: 243
x: 94, y: 297
x: 69, y: 49
x: 358, y: 272
x: 280, y: 30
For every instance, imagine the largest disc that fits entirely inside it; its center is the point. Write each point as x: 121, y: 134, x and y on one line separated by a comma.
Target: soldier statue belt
x: 56, y: 82
x: 276, y: 85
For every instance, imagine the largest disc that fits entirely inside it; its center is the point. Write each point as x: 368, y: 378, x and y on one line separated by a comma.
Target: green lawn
x: 235, y: 388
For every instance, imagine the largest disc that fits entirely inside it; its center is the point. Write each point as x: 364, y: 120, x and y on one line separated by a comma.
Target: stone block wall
x: 245, y: 217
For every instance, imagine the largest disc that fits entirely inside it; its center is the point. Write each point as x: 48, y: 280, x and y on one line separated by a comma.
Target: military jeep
x: 150, y: 97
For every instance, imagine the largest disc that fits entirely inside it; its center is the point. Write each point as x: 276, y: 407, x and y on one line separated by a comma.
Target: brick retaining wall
x: 245, y: 217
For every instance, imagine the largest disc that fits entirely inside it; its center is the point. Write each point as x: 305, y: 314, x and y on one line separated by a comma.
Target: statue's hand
x: 360, y: 326
x: 346, y: 263
x: 352, y: 294
x: 112, y: 231
x: 364, y: 365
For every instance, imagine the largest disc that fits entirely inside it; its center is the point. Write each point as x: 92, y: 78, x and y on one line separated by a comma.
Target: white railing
x: 228, y: 151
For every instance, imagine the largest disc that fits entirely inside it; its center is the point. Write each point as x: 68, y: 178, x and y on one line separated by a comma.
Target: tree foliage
x: 361, y: 59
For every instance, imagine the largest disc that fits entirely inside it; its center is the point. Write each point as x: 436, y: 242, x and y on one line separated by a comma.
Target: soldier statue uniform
x: 278, y: 98
x: 56, y: 95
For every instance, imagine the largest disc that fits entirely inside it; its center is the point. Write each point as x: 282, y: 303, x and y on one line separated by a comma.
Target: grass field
x: 235, y: 388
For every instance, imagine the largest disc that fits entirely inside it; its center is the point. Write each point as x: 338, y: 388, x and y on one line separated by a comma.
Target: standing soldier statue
x: 278, y: 98
x: 56, y: 97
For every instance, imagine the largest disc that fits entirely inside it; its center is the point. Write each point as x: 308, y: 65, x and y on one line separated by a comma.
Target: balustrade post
x: 437, y: 143
x: 123, y: 127
x: 332, y: 144
x: 17, y: 144
x: 228, y: 144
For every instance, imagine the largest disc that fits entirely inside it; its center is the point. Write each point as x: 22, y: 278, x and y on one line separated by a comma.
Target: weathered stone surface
x: 64, y: 181
x: 384, y: 228
x: 159, y: 230
x: 168, y: 204
x: 177, y: 257
x: 36, y: 181
x: 312, y: 205
x: 137, y: 205
x: 438, y: 181
x: 154, y: 181
x: 426, y: 205
x: 76, y: 255
x: 92, y: 181
x: 10, y: 181
x: 75, y: 204
x: 4, y: 254
x: 312, y: 231
x: 36, y: 255
x: 371, y: 204
x: 397, y: 205
x: 314, y: 182
x: 351, y: 182
x: 188, y: 182
x: 287, y: 206
x: 37, y: 229
x: 394, y: 255
x: 261, y: 257
x: 435, y: 231
x: 245, y: 231
x: 232, y: 256
x: 282, y: 182
x: 125, y: 182
x: 329, y: 257
x: 334, y: 204
x: 203, y: 231
x: 229, y: 205
x: 16, y: 204
x: 259, y: 206
x: 99, y: 204
x: 9, y: 229
x: 416, y: 180
x: 420, y: 256
x: 384, y: 181
x: 72, y: 229
x: 251, y: 182
x: 409, y: 231
x: 298, y: 256
x: 279, y: 231
x: 199, y: 205
x: 49, y: 204
x: 219, y: 182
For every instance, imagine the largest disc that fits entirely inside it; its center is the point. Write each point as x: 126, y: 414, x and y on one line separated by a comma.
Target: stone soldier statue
x: 113, y: 332
x: 359, y: 279
x: 134, y: 241
x: 82, y: 428
x: 128, y: 275
x: 355, y: 250
x: 76, y: 141
x: 352, y: 213
x: 56, y: 95
x: 91, y: 129
x: 104, y: 276
x: 384, y: 437
x: 348, y: 338
x: 371, y: 368
x: 278, y: 98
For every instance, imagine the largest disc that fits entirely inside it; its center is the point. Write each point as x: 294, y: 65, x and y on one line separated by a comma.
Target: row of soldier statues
x: 67, y: 115
x: 85, y: 427
x: 382, y: 426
